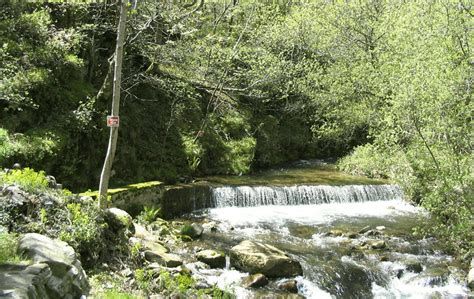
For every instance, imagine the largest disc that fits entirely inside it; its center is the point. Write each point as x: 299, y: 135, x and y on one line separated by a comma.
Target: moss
x: 132, y: 187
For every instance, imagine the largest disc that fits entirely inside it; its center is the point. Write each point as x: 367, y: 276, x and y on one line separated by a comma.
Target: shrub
x: 27, y: 178
x: 8, y: 245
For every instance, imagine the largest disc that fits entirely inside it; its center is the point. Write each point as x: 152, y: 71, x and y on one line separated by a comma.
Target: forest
x: 234, y: 87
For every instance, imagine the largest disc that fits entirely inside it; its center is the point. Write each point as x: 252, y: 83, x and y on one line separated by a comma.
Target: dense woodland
x: 231, y: 87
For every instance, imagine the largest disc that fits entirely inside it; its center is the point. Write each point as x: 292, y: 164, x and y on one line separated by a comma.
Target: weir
x: 251, y: 196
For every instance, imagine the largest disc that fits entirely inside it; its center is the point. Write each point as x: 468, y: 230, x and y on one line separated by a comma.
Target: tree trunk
x: 105, y: 175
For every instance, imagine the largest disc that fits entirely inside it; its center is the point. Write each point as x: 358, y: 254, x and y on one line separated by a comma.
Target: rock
x: 336, y: 232
x: 364, y: 230
x: 119, y: 220
x: 376, y: 244
x: 164, y: 259
x: 255, y: 257
x: 414, y: 266
x: 210, y: 226
x: 21, y: 281
x: 202, y: 285
x: 193, y: 231
x: 255, y: 281
x: 372, y: 233
x: 51, y: 181
x: 470, y: 278
x: 197, y: 267
x: 68, y: 279
x: 351, y: 235
x: 384, y: 258
x: 16, y: 166
x: 290, y: 286
x: 212, y: 258
x: 380, y: 227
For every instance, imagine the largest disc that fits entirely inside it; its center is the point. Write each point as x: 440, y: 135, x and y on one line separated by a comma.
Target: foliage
x: 149, y: 214
x: 8, y: 246
x: 27, y: 178
x: 239, y: 85
x: 85, y: 232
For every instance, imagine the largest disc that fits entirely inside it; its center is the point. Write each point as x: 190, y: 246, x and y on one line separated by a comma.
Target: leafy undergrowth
x: 8, y: 245
x: 115, y: 266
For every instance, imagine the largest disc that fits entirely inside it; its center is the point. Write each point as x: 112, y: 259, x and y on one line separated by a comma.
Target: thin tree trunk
x: 105, y: 175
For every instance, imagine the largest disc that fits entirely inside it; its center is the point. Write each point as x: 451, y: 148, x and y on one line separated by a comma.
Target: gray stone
x: 68, y: 279
x: 351, y: 235
x: 336, y: 232
x: 290, y: 286
x: 119, y: 220
x: 255, y: 281
x: 414, y: 266
x: 377, y: 244
x: 164, y: 259
x: 51, y: 182
x: 255, y: 257
x: 212, y: 258
x: 23, y: 281
x: 470, y: 279
x: 364, y: 230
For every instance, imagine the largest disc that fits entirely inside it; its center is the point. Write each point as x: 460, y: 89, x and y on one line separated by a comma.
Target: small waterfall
x: 250, y: 196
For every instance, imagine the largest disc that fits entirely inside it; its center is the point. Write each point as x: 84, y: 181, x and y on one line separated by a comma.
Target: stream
x: 327, y: 229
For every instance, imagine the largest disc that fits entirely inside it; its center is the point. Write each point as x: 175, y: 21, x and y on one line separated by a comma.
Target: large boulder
x: 23, y: 281
x: 163, y: 259
x: 212, y: 258
x: 68, y: 279
x: 255, y: 257
x: 119, y: 220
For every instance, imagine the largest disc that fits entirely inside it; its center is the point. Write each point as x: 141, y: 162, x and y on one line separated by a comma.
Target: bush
x: 8, y: 245
x: 86, y: 232
x: 27, y: 178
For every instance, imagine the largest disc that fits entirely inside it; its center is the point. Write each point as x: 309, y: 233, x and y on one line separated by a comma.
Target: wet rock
x: 336, y: 232
x: 376, y: 244
x: 210, y: 226
x: 303, y: 231
x: 372, y: 233
x: 255, y: 281
x: 351, y: 235
x: 290, y: 286
x: 364, y: 230
x: 164, y: 259
x: 119, y: 220
x: 202, y: 285
x: 384, y: 258
x: 193, y: 231
x: 414, y: 266
x: 68, y: 279
x: 256, y: 257
x: 437, y: 276
x: 212, y: 258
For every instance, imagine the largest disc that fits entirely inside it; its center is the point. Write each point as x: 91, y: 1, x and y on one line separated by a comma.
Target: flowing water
x: 325, y: 228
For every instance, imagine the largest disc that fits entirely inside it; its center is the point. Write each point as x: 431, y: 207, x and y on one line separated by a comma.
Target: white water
x: 272, y: 224
x: 251, y: 196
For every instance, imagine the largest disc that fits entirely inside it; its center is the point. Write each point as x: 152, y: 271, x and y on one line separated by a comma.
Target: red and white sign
x: 113, y: 121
